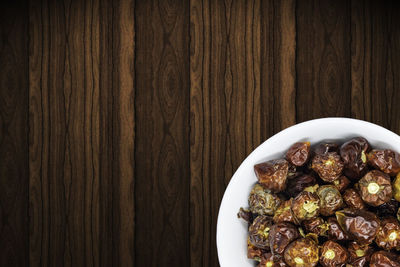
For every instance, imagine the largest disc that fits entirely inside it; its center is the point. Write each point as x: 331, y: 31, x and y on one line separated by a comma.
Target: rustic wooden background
x: 122, y: 122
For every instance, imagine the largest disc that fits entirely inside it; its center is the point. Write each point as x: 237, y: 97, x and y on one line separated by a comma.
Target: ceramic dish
x: 232, y: 232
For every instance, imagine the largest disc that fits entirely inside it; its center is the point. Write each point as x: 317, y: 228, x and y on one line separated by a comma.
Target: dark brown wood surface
x: 121, y: 123
x: 14, y: 127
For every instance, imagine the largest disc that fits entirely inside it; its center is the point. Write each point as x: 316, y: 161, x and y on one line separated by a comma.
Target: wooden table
x: 122, y: 122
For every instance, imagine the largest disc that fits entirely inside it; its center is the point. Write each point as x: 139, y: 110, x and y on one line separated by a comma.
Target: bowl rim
x: 270, y: 140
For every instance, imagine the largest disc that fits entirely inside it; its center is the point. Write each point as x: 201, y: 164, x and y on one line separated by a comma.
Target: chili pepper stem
x: 329, y: 254
x: 393, y: 236
x: 373, y: 188
x: 298, y: 260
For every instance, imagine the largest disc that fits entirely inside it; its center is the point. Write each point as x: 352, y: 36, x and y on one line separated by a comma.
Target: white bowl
x: 232, y: 232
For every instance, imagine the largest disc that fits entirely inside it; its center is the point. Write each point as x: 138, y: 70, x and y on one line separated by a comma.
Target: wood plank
x: 105, y: 195
x: 238, y: 57
x: 323, y: 59
x: 225, y: 111
x: 67, y: 125
x: 284, y: 49
x: 375, y: 67
x: 91, y: 132
x: 162, y: 133
x: 200, y: 204
x: 109, y: 149
x: 231, y: 99
x: 394, y: 56
x: 14, y: 174
x: 385, y: 65
x: 361, y: 42
x: 268, y: 123
x: 38, y: 135
x: 123, y: 133
x: 41, y: 217
x: 278, y: 94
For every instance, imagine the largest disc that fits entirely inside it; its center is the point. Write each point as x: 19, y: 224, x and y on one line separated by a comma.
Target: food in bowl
x: 329, y: 204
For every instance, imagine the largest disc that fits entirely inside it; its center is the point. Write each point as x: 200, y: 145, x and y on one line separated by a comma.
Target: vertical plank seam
x: 245, y: 75
x: 273, y: 65
x: 365, y: 9
x: 134, y: 129
x: 296, y: 119
x: 91, y: 133
x: 42, y: 148
x: 112, y: 135
x: 371, y: 56
x: 85, y: 88
x: 295, y: 61
x: 275, y: 62
x: 350, y: 59
x: 363, y: 61
x: 254, y: 76
x: 203, y: 130
x: 390, y: 59
x: 67, y: 128
x: 202, y: 180
x: 49, y: 137
x: 189, y: 133
x: 100, y: 174
x: 261, y: 69
x: 385, y: 62
x: 211, y: 122
x: 28, y: 134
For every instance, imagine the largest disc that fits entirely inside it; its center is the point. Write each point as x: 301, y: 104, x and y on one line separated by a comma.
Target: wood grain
x: 284, y: 62
x: 226, y: 100
x: 200, y: 208
x: 14, y: 165
x: 267, y: 94
x: 67, y: 198
x: 323, y: 59
x: 123, y: 92
x: 225, y: 77
x: 278, y: 77
x: 375, y: 66
x: 229, y: 82
x: 385, y: 68
x: 122, y: 122
x: 38, y: 135
x: 162, y: 133
x: 361, y: 42
x: 105, y: 194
